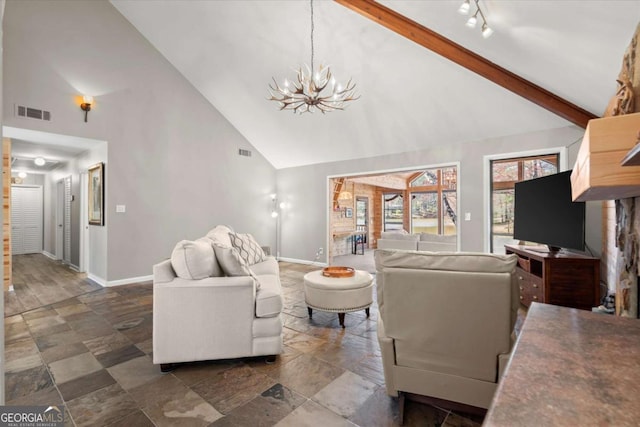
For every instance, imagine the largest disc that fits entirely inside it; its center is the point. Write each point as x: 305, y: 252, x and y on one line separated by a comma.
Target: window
x: 393, y: 211
x: 434, y: 200
x: 504, y: 175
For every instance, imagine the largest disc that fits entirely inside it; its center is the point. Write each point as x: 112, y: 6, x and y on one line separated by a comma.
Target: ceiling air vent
x: 32, y: 113
x: 243, y: 152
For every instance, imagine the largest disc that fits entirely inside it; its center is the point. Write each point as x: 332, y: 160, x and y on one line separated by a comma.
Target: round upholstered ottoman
x: 338, y: 294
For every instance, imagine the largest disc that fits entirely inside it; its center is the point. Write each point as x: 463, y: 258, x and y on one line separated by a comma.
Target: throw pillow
x: 193, y: 260
x: 247, y: 247
x: 217, y: 270
x: 220, y: 235
x: 230, y: 260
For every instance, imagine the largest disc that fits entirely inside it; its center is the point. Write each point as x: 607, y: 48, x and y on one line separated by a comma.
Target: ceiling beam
x: 469, y: 60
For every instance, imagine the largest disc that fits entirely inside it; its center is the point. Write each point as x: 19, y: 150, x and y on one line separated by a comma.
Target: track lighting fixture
x: 465, y: 8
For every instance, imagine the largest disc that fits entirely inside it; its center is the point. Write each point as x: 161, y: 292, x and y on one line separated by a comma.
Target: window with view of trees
x: 505, y: 173
x: 393, y: 211
x: 434, y: 201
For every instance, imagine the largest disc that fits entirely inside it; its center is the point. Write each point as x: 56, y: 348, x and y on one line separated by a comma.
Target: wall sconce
x: 86, y: 105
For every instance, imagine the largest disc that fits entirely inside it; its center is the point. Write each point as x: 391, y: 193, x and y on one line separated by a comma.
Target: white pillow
x: 247, y: 247
x: 217, y: 270
x: 230, y: 260
x: 193, y: 260
x: 220, y: 235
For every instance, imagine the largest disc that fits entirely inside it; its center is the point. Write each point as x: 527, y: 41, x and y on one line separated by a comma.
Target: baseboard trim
x: 99, y: 280
x: 74, y: 268
x: 49, y: 255
x: 303, y: 261
x: 129, y: 281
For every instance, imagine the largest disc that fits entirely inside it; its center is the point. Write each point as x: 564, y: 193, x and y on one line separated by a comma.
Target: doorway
x: 26, y: 219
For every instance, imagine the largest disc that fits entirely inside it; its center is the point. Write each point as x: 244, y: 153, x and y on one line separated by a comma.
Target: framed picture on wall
x: 96, y: 194
x: 348, y: 213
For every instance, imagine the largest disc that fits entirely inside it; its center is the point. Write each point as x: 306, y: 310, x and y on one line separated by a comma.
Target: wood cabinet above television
x: 598, y: 173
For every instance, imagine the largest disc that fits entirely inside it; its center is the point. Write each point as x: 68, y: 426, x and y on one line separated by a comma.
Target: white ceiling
x: 410, y: 98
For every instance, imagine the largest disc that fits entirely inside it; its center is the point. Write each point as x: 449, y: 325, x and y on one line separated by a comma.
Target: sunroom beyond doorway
x: 362, y: 207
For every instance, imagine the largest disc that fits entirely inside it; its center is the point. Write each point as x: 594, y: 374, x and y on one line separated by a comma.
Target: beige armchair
x: 446, y: 323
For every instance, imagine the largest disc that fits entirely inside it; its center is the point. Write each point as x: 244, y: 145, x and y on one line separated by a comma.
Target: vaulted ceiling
x: 411, y: 98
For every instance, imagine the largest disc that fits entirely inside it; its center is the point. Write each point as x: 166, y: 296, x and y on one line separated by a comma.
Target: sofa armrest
x: 163, y: 272
x: 202, y: 319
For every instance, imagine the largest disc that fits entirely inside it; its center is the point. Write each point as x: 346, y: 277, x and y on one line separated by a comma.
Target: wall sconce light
x: 86, y: 105
x: 39, y: 161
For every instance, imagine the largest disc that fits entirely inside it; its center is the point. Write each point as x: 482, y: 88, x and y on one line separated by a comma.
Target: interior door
x: 67, y: 220
x: 60, y: 220
x: 26, y: 219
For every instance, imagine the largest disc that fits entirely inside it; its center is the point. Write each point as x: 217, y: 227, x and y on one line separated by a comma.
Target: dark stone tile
x: 306, y: 375
x: 233, y: 387
x: 136, y: 419
x: 107, y: 343
x: 379, y: 409
x: 15, y: 329
x: 192, y: 373
x: 38, y: 313
x: 159, y: 391
x: 61, y: 338
x: 59, y: 352
x: 266, y: 409
x: 84, y: 385
x: 102, y: 407
x: 118, y: 356
x: 190, y: 411
x: 45, y: 396
x: 26, y: 382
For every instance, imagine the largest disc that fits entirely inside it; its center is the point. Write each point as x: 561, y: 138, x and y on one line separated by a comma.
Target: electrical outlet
x: 320, y: 251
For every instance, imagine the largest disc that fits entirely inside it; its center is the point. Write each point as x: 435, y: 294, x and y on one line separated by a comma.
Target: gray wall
x: 172, y: 158
x: 305, y: 188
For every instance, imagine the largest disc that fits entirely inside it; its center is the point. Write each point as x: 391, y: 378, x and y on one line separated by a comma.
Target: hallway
x: 40, y: 281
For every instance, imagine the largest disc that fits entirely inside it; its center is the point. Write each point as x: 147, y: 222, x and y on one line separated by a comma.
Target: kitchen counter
x: 571, y: 368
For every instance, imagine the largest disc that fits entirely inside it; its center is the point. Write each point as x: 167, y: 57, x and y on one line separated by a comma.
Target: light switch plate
x: 121, y: 208
x: 467, y: 216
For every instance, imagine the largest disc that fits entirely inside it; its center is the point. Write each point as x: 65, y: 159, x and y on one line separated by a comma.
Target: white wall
x: 172, y: 157
x: 304, y: 223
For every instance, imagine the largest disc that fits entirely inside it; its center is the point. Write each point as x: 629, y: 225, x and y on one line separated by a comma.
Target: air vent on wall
x: 244, y: 152
x: 32, y: 113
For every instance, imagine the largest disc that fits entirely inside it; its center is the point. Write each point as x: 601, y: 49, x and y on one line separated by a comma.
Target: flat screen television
x: 544, y: 213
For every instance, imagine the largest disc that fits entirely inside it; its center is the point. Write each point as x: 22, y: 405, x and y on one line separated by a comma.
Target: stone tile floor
x: 92, y: 354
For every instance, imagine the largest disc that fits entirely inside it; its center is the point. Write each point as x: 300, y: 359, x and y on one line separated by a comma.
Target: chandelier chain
x: 312, y: 28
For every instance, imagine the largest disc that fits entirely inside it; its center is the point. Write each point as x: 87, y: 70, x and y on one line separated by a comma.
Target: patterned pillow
x: 230, y: 260
x: 247, y: 247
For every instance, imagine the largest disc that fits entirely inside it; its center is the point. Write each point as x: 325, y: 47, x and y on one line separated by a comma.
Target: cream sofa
x: 208, y: 304
x: 446, y: 322
x: 417, y: 242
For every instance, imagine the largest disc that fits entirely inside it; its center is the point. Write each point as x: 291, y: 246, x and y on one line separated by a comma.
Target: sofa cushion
x: 193, y: 260
x: 230, y: 260
x: 440, y: 238
x: 217, y: 270
x: 220, y: 235
x: 247, y: 247
x: 269, y: 296
x: 268, y: 266
x: 398, y: 236
x: 458, y: 261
